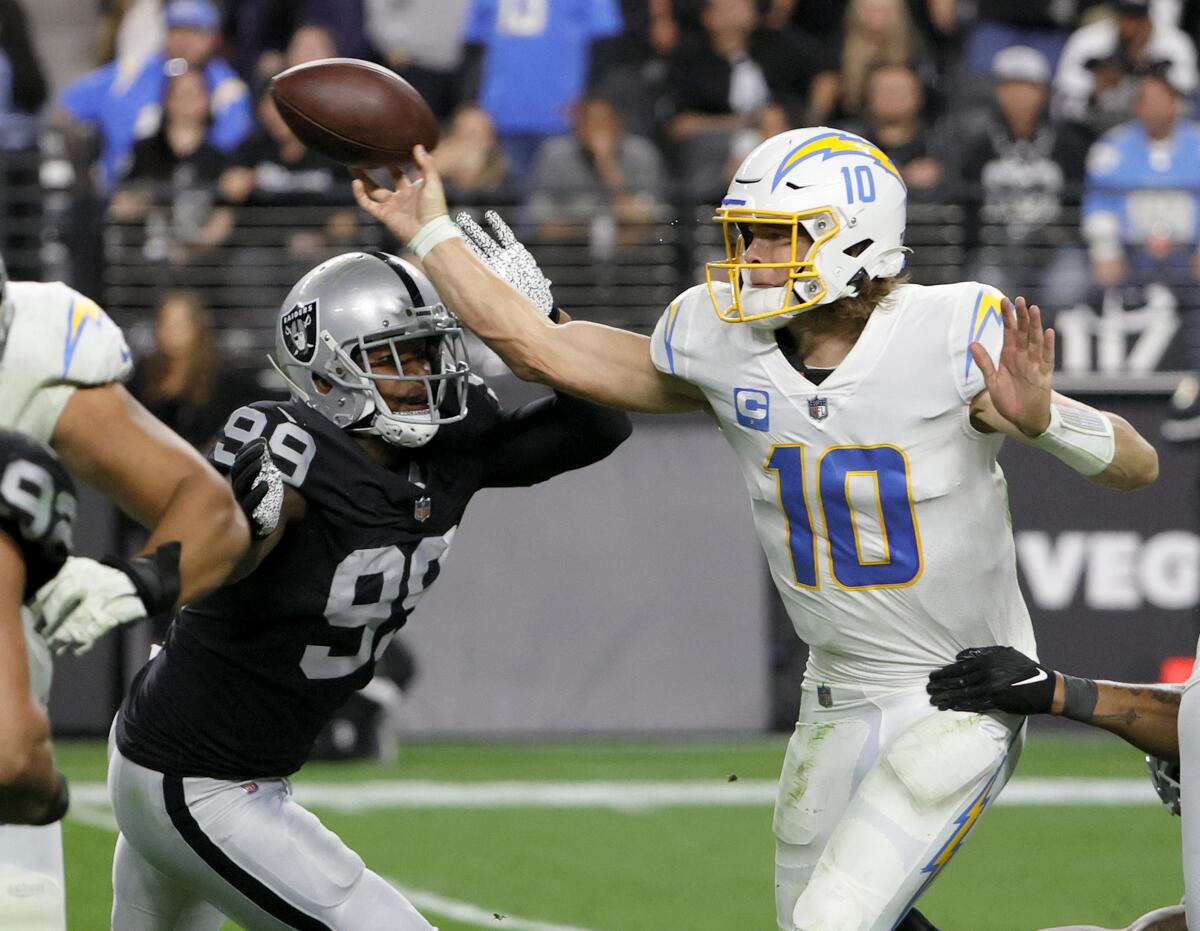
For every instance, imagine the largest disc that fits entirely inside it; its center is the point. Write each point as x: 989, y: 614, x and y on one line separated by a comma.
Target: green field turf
x: 689, y: 868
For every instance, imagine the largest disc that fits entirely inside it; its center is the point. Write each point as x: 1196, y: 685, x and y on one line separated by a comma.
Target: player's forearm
x: 204, y: 517
x: 28, y: 779
x: 1144, y: 715
x: 1135, y: 461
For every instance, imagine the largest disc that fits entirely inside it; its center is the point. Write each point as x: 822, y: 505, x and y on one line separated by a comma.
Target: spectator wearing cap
x: 123, y: 99
x: 1141, y: 205
x: 1023, y: 169
x: 1098, y: 71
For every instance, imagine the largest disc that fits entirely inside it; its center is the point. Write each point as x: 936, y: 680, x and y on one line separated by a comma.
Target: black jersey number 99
x: 47, y: 512
x: 387, y: 566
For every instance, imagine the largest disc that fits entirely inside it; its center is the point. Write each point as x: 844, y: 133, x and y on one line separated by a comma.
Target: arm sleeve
x: 552, y: 435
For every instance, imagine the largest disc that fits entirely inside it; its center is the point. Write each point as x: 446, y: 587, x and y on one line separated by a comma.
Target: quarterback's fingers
x: 504, y: 234
x: 983, y: 360
x: 1035, y: 332
x: 1048, y: 350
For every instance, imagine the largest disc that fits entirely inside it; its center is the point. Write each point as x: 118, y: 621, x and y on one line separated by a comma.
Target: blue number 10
x: 863, y: 180
x: 887, y: 468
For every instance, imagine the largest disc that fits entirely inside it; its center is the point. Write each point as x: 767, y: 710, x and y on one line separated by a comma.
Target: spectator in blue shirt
x: 123, y: 99
x: 535, y: 65
x: 1141, y: 205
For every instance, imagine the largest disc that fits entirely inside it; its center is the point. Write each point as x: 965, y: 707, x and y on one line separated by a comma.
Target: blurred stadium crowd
x: 1048, y: 147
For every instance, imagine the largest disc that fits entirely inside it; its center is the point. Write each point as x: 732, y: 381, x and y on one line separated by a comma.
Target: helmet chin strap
x: 399, y: 433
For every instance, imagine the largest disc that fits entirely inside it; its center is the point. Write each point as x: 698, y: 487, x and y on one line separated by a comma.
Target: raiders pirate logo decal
x: 300, y: 331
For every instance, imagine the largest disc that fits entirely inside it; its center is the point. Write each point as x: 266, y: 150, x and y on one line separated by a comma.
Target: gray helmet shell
x: 345, y: 308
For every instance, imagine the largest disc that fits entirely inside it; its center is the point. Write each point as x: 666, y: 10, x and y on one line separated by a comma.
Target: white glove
x: 508, y: 258
x: 84, y: 602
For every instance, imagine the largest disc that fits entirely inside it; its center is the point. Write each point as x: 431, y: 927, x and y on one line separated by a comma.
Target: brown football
x: 355, y: 112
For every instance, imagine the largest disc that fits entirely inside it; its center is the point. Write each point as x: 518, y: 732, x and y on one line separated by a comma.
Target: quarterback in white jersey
x: 61, y: 363
x: 866, y: 414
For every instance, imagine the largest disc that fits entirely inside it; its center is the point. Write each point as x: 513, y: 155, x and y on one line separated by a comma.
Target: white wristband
x: 1081, y: 437
x: 436, y: 231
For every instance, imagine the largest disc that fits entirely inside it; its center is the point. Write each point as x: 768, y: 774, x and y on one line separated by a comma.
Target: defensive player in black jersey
x: 385, y: 440
x: 37, y: 508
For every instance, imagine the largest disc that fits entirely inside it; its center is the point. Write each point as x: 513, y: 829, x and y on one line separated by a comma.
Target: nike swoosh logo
x: 1041, y: 675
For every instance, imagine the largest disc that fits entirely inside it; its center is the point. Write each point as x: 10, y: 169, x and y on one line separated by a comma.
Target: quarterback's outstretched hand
x: 258, y: 487
x: 507, y: 256
x: 411, y: 205
x: 993, y: 679
x: 1020, y: 386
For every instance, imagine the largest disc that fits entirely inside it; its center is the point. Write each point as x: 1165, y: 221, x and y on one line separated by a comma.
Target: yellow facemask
x: 804, y: 288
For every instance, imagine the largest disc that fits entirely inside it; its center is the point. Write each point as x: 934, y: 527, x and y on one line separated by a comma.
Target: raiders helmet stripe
x: 414, y: 292
x: 249, y: 886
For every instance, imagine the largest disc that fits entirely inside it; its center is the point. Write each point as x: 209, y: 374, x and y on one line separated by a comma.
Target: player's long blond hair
x: 858, y: 308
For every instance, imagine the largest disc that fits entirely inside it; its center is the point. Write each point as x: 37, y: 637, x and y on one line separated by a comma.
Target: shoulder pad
x: 974, y: 318
x: 37, y: 506
x: 672, y: 340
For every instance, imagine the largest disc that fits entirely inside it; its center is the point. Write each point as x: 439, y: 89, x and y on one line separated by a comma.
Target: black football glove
x: 258, y: 487
x: 993, y: 679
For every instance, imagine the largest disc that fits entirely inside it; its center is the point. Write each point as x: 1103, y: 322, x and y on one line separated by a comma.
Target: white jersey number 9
x: 292, y: 447
x: 362, y: 596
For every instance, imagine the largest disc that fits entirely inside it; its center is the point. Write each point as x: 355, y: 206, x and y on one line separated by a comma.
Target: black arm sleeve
x: 552, y: 435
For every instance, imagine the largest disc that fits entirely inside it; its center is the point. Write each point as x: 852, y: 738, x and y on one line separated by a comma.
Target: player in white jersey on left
x: 867, y: 414
x: 62, y: 361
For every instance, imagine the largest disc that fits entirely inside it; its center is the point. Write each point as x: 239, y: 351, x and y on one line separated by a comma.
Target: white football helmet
x: 842, y: 190
x: 350, y: 305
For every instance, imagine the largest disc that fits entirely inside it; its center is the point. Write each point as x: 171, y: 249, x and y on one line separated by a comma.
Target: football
x: 355, y: 112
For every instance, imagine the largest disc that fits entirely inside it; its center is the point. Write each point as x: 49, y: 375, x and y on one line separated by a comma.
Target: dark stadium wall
x: 633, y: 597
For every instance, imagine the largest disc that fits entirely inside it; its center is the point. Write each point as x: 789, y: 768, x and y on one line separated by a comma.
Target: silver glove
x: 505, y: 255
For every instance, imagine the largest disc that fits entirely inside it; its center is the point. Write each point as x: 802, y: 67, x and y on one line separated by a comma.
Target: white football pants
x: 878, y: 791
x: 194, y: 851
x: 1189, y: 783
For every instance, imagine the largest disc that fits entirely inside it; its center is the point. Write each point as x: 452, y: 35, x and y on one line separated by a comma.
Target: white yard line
x: 470, y: 914
x: 633, y: 796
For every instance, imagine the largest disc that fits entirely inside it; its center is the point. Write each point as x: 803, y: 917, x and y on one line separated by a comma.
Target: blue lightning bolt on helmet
x: 839, y: 189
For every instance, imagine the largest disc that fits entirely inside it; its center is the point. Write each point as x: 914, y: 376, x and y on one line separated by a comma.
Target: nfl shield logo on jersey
x: 818, y: 408
x: 422, y: 508
x: 300, y: 331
